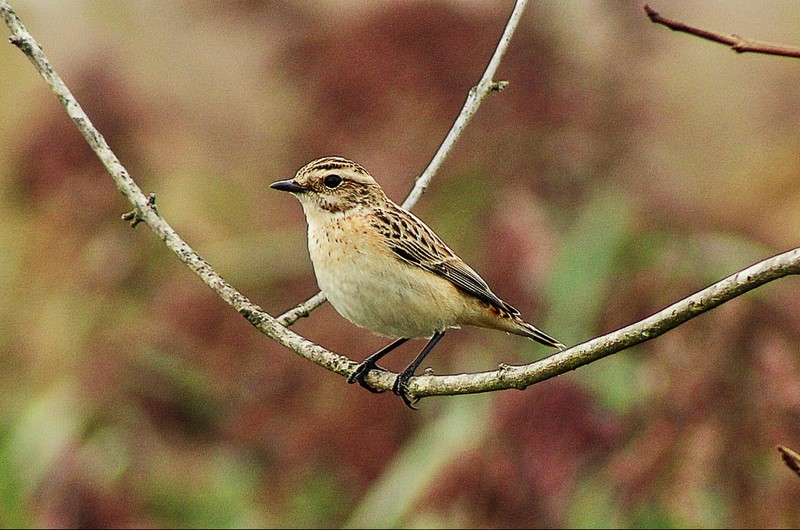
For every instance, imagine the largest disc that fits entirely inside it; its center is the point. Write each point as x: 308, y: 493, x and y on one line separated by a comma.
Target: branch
x: 476, y: 95
x: 145, y: 211
x: 485, y: 86
x: 520, y: 377
x: 506, y: 377
x: 302, y: 310
x: 736, y: 43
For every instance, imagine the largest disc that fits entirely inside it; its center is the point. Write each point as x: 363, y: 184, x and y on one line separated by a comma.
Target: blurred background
x: 624, y: 168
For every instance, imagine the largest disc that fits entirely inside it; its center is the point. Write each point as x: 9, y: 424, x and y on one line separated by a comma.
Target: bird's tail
x: 507, y: 318
x: 528, y: 330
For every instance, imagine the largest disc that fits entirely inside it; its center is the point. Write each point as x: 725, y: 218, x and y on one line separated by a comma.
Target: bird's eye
x: 331, y: 181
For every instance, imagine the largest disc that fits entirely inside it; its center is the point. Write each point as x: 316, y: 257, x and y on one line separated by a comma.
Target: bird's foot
x: 361, y: 372
x: 400, y: 387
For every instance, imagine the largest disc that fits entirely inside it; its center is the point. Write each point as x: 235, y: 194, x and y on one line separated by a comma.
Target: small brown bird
x: 383, y: 269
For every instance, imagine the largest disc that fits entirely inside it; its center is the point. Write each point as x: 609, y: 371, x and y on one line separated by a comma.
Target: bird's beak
x: 288, y: 185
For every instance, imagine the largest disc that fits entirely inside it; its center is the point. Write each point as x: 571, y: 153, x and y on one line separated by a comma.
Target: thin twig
x: 735, y: 42
x: 301, y: 310
x: 790, y: 458
x: 475, y: 97
x: 485, y: 86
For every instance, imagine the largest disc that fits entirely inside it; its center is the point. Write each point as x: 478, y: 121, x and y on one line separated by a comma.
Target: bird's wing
x: 413, y: 242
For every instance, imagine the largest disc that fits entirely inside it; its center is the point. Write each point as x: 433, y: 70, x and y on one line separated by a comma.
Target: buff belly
x: 383, y: 294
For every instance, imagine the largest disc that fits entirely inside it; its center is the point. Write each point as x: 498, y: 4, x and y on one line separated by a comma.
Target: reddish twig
x: 735, y: 42
x: 790, y: 458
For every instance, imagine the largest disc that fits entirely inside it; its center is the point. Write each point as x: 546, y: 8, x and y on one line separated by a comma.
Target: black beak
x: 288, y: 185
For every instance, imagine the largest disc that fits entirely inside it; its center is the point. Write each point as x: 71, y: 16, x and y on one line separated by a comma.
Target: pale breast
x: 368, y: 285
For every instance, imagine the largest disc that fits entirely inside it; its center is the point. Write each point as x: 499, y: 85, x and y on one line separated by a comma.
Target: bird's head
x: 333, y: 185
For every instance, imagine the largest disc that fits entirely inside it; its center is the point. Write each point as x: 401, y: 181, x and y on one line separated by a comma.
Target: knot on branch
x: 497, y: 86
x: 135, y: 218
x: 506, y: 376
x: 252, y: 315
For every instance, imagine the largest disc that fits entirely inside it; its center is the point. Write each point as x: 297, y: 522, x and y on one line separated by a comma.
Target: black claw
x: 400, y: 387
x: 361, y: 372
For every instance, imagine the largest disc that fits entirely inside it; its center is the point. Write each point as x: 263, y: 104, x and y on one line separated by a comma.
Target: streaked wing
x: 413, y: 242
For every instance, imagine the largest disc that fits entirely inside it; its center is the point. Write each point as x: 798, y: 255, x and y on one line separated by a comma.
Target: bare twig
x: 737, y: 43
x: 485, y: 86
x: 505, y: 377
x: 476, y: 95
x: 301, y: 310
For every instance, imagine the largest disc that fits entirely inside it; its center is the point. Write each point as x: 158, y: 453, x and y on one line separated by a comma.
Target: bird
x: 384, y: 269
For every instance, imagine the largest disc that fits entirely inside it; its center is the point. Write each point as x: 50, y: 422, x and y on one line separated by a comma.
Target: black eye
x: 331, y: 181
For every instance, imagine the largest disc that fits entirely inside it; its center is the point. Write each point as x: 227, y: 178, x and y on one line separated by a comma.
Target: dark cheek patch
x: 331, y: 206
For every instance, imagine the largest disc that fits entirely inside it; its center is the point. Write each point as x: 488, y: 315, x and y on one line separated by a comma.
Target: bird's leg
x: 400, y: 386
x: 370, y: 363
